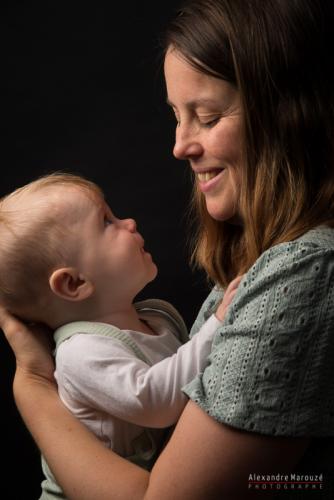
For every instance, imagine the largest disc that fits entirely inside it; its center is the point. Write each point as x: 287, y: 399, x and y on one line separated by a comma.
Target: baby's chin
x: 154, y: 271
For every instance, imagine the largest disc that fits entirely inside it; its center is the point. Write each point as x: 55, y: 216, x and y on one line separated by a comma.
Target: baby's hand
x: 228, y: 297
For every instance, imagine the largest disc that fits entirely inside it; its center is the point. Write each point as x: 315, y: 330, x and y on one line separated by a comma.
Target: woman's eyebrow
x: 195, y: 102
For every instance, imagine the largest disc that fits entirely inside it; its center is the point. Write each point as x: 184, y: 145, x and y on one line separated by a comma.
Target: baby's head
x: 62, y: 252
x: 36, y: 238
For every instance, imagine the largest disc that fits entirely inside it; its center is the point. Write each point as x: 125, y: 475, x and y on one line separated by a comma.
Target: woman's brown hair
x: 277, y: 54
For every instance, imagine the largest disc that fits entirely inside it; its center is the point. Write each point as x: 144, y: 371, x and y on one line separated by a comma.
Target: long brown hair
x: 277, y: 54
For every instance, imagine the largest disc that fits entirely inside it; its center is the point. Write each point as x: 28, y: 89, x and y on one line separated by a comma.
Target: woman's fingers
x: 7, y: 322
x: 31, y: 344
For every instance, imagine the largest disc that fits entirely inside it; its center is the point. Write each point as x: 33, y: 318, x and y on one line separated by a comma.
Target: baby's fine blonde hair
x: 32, y: 241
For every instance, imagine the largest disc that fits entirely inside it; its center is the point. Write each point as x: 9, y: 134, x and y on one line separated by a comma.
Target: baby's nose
x: 130, y: 225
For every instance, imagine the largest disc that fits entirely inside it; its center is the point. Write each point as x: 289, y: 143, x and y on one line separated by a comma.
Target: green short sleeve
x: 271, y: 369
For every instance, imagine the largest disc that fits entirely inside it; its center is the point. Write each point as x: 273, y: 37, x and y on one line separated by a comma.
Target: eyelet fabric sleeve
x: 271, y: 367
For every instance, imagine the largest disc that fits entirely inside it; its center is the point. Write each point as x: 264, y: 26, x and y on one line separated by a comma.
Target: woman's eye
x: 210, y: 123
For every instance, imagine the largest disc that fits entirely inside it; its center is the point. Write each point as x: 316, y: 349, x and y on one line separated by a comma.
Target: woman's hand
x: 32, y: 347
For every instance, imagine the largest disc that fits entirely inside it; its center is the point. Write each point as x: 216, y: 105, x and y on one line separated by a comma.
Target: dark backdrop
x: 85, y: 94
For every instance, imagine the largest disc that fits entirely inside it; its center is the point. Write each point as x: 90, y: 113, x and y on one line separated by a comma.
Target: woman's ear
x: 69, y: 284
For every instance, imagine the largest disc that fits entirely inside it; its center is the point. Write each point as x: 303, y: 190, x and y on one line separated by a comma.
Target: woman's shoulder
x: 314, y: 248
x: 320, y: 238
x: 295, y: 270
x: 312, y: 254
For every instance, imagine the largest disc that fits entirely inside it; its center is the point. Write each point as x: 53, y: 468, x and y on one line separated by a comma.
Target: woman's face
x: 208, y: 133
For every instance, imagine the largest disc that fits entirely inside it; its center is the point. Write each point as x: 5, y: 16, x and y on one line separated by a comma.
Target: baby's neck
x: 126, y: 319
x: 123, y: 316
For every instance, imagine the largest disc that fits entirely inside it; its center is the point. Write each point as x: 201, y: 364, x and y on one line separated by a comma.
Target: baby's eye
x: 107, y: 220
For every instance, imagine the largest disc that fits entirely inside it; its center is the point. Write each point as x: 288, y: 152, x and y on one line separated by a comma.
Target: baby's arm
x: 122, y: 385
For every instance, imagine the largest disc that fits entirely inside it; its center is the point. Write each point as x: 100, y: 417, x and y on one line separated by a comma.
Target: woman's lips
x: 209, y: 179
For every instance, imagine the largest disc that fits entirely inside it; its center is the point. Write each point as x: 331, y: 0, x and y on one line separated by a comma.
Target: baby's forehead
x: 72, y: 204
x: 73, y: 195
x: 58, y: 200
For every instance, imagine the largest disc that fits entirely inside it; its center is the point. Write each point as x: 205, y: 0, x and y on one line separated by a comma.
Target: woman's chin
x: 219, y: 212
x: 231, y: 217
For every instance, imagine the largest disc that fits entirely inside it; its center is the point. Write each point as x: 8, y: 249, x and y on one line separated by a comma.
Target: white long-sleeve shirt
x: 116, y: 394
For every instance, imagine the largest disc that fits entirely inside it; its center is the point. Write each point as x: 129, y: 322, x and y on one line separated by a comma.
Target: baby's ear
x: 69, y: 284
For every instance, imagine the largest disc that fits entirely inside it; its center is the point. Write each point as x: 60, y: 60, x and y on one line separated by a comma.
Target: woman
x: 251, y: 85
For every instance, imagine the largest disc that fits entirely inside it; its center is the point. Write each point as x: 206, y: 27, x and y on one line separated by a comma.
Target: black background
x: 85, y: 94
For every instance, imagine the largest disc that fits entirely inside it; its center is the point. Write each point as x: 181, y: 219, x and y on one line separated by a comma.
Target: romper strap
x: 166, y: 309
x: 67, y: 331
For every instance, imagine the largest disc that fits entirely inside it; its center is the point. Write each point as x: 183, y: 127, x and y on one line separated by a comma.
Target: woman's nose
x: 129, y: 224
x: 187, y: 144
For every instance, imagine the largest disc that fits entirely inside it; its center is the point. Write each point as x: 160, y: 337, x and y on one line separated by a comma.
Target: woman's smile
x: 209, y: 179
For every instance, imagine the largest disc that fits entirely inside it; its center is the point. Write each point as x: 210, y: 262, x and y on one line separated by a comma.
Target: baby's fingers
x: 229, y: 294
x: 233, y: 286
x: 229, y: 297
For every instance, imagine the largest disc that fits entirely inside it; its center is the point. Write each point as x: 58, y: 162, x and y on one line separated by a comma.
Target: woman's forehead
x: 192, y: 87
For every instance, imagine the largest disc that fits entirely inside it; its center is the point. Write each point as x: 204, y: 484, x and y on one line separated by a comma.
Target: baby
x: 67, y: 261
